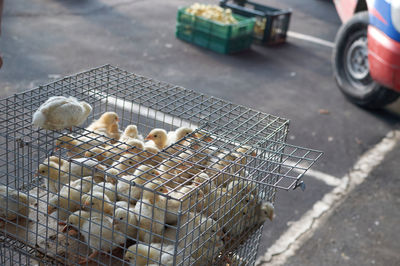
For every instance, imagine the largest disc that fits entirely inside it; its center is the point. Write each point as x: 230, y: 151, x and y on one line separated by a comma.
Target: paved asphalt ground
x: 46, y: 39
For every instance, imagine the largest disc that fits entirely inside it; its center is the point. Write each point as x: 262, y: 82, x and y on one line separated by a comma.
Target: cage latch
x: 300, y: 184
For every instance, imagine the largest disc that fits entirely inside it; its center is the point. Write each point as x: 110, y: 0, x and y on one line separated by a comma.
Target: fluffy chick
x: 202, y: 232
x: 125, y: 220
x: 131, y: 132
x: 69, y: 198
x: 98, y: 232
x: 178, y: 134
x: 129, y: 192
x: 112, y: 153
x: 154, y: 254
x: 99, y: 202
x: 13, y: 204
x: 77, y: 145
x: 159, y: 137
x: 151, y: 212
x: 60, y: 112
x: 264, y: 210
x: 181, y: 201
x: 107, y: 124
x: 59, y: 171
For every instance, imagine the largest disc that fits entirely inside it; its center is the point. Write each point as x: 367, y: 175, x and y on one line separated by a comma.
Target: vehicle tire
x: 351, y: 69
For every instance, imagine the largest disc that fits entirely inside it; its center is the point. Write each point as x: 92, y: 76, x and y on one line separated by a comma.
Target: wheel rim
x: 357, y: 59
x: 356, y: 63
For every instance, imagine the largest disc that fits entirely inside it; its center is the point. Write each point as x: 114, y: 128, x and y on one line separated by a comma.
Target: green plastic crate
x: 214, y: 43
x: 244, y: 26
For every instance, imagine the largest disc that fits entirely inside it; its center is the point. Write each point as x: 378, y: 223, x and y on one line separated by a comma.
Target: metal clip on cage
x: 195, y: 202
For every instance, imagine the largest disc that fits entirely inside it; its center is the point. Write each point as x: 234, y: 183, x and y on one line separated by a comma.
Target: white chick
x: 125, y: 220
x: 151, y: 212
x: 106, y: 188
x: 60, y: 171
x: 181, y: 201
x: 13, y: 204
x: 198, y: 233
x: 131, y: 132
x: 112, y: 174
x: 129, y: 192
x: 98, y: 232
x: 154, y: 254
x: 69, y: 198
x: 75, y: 221
x: 60, y: 112
x: 98, y: 202
x: 62, y: 204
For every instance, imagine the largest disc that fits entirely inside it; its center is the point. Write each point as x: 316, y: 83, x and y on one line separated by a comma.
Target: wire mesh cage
x: 197, y: 192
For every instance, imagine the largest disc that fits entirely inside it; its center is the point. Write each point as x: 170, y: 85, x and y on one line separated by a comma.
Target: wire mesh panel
x: 196, y: 191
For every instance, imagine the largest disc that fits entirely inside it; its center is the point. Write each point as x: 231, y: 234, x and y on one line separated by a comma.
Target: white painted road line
x: 309, y: 38
x: 303, y: 229
x: 327, y: 179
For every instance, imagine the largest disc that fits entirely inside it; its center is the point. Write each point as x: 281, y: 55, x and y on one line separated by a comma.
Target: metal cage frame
x: 242, y: 152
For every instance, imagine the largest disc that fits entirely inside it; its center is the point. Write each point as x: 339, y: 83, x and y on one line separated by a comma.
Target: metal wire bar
x: 87, y: 196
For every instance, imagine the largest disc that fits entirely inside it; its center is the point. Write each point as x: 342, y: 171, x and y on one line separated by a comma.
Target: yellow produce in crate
x: 212, y: 12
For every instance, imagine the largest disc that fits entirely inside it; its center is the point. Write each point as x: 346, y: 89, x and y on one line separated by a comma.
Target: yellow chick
x: 107, y: 124
x: 150, y: 153
x: 60, y: 112
x: 159, y: 137
x: 178, y: 134
x: 128, y: 162
x: 155, y: 254
x: 77, y: 145
x: 13, y: 204
x: 216, y: 203
x: 114, y: 133
x: 112, y: 153
x: 131, y: 132
x: 132, y: 193
x: 151, y: 212
x: 171, y: 170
